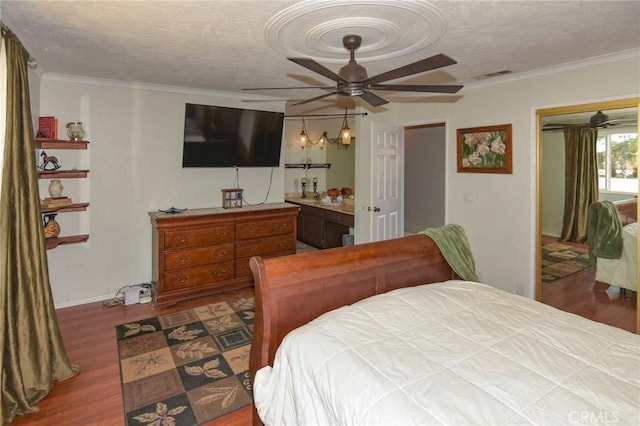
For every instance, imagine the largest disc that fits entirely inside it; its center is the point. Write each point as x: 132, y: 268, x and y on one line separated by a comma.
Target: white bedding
x: 622, y: 272
x: 456, y: 353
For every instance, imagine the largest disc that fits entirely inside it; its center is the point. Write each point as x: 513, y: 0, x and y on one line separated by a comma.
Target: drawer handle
x: 282, y: 243
x: 184, y: 259
x: 220, y: 273
x: 252, y: 248
x: 253, y: 230
x: 221, y: 253
x: 180, y: 239
x: 183, y: 280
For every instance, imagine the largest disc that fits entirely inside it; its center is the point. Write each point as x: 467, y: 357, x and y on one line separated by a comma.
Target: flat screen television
x: 231, y: 137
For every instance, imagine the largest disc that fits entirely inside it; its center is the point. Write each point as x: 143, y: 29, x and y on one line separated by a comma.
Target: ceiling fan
x: 353, y: 80
x: 599, y: 120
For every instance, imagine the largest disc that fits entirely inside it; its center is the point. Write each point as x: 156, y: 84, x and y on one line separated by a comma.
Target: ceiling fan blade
x: 373, y: 99
x: 563, y: 125
x: 315, y: 99
x: 320, y: 69
x: 418, y: 88
x: 290, y: 87
x: 437, y: 61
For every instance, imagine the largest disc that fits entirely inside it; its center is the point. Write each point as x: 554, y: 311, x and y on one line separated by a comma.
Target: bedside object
x: 231, y: 198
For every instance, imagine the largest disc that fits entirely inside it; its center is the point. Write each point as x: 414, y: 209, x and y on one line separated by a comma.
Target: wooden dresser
x: 206, y: 251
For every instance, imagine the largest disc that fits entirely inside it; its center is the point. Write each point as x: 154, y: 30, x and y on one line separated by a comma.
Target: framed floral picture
x: 485, y: 149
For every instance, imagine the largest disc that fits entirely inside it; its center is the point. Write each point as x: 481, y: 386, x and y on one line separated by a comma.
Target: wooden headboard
x: 292, y: 290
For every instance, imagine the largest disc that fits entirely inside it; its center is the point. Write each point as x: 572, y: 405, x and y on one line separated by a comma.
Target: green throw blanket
x: 452, y: 242
x: 604, y: 232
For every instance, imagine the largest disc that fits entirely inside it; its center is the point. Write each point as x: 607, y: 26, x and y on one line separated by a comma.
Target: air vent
x: 497, y: 73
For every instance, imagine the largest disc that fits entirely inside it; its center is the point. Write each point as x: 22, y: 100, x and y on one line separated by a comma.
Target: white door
x: 387, y: 191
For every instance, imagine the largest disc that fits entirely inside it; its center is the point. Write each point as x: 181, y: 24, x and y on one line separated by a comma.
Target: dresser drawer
x: 242, y: 265
x: 198, y: 237
x: 263, y: 228
x: 193, y: 277
x: 265, y: 246
x: 198, y: 256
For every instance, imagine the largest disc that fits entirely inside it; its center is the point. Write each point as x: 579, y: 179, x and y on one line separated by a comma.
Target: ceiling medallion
x: 389, y: 29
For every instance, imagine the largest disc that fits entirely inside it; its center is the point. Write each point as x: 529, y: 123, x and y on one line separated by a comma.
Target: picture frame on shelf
x: 486, y: 149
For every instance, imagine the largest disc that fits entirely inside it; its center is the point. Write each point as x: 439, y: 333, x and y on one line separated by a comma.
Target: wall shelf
x: 46, y: 143
x: 62, y: 174
x: 307, y: 165
x: 75, y: 207
x: 52, y: 243
x: 42, y: 143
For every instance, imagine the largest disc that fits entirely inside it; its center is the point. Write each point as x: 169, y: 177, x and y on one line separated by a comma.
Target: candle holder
x: 315, y: 185
x: 303, y: 183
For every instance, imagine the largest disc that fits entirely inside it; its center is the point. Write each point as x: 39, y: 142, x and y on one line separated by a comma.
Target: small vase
x: 51, y: 227
x: 75, y: 131
x: 55, y: 188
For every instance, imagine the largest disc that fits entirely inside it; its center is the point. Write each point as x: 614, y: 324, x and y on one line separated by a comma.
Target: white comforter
x: 456, y: 353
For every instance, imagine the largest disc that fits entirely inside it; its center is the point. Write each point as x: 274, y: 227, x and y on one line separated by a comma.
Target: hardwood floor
x: 94, y: 396
x: 580, y: 294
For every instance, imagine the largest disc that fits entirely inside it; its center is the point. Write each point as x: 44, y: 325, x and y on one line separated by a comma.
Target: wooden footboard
x: 292, y: 290
x: 627, y: 210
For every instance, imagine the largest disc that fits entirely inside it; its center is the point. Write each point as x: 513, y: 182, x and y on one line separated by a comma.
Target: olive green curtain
x: 32, y: 354
x: 581, y: 181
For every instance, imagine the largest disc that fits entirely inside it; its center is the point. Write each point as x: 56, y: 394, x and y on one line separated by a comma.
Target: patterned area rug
x: 189, y: 367
x: 560, y: 260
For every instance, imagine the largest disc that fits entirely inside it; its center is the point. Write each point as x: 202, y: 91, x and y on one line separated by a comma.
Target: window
x: 617, y: 166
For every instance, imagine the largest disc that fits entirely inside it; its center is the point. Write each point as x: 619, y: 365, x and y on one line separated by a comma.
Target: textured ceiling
x: 228, y: 45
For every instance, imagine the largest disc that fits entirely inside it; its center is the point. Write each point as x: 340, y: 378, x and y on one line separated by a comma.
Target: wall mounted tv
x: 231, y: 137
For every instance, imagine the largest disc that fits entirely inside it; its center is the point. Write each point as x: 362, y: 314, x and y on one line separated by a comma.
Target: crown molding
x: 604, y: 59
x: 71, y: 78
x: 596, y: 60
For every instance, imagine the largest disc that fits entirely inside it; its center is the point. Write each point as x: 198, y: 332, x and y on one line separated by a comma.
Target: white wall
x: 135, y: 162
x: 500, y: 214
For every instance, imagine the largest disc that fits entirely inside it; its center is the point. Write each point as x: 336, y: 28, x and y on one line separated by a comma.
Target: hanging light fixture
x: 343, y: 138
x: 303, y: 136
x: 324, y: 139
x: 345, y: 133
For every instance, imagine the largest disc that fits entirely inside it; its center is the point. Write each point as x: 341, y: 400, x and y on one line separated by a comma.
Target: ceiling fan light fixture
x: 598, y: 119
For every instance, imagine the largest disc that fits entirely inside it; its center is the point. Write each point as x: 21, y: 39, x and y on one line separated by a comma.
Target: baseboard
x: 71, y: 303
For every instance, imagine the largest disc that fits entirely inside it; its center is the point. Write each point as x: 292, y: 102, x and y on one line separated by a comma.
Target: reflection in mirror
x: 587, y: 205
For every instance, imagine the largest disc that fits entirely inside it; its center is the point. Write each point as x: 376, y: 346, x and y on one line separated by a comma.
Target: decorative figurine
x: 51, y: 227
x: 75, y: 131
x: 55, y: 188
x: 49, y: 160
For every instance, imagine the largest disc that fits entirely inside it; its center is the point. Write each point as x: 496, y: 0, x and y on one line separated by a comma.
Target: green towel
x: 604, y: 231
x: 452, y: 242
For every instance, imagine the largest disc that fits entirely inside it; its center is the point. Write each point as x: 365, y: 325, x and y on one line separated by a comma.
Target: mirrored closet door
x: 587, y: 160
